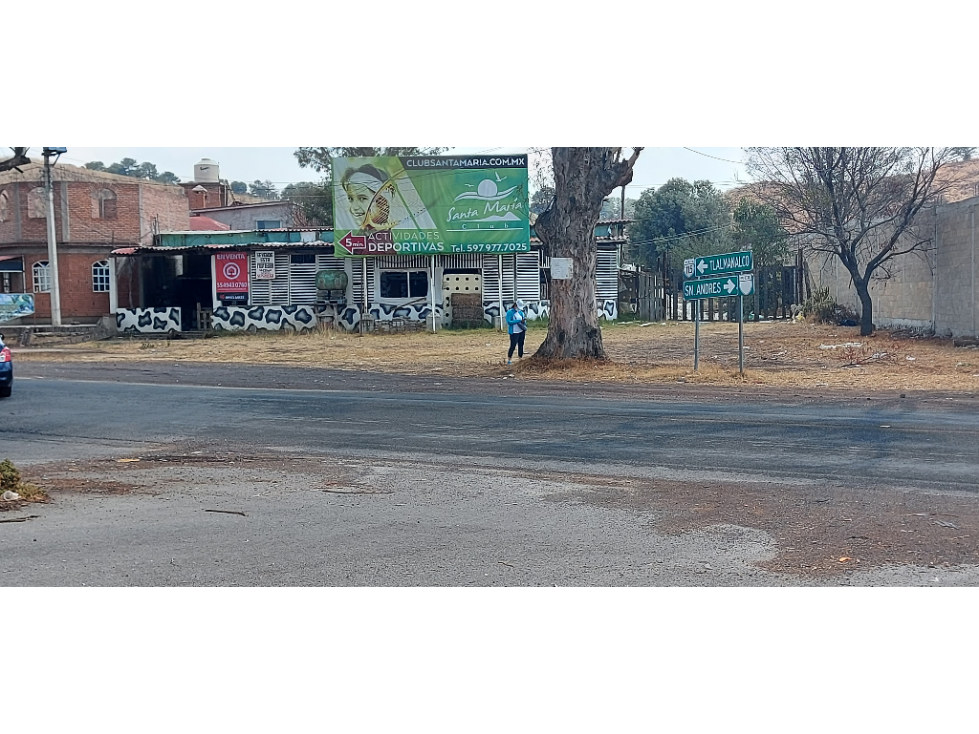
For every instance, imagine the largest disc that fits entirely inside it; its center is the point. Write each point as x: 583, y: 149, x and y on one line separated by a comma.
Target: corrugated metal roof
x: 615, y: 221
x: 149, y: 250
x: 251, y: 231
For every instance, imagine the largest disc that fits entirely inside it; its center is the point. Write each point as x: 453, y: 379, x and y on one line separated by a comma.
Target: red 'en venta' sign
x: 231, y: 272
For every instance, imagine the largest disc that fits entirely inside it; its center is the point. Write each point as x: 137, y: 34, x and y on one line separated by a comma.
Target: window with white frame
x: 42, y: 277
x: 100, y: 277
x: 4, y: 206
x: 404, y: 284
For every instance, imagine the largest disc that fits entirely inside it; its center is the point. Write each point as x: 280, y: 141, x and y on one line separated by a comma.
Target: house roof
x: 206, y: 224
x: 236, y: 207
x: 199, y: 223
x: 32, y: 173
x: 153, y: 250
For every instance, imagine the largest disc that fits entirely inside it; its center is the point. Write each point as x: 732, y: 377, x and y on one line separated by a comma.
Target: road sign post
x: 696, y: 340
x: 730, y: 277
x: 741, y: 335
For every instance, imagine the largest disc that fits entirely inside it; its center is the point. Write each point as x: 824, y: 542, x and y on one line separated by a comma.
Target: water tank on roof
x: 207, y: 171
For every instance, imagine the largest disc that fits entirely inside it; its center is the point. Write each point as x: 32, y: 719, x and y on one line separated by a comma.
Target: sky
x: 655, y: 167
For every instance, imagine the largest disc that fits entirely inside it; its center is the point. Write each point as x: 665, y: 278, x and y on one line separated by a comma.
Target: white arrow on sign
x: 730, y: 287
x: 701, y: 266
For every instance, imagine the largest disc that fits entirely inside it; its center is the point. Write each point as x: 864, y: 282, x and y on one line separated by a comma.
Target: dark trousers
x: 516, y: 342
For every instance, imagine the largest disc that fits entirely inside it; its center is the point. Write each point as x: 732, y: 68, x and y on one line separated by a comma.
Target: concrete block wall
x: 956, y: 274
x: 935, y: 290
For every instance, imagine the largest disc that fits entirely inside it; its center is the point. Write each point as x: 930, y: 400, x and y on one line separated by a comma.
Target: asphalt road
x: 884, y: 442
x: 387, y: 481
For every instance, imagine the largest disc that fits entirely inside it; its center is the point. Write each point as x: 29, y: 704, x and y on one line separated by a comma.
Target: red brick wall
x: 217, y: 195
x: 79, y: 303
x: 123, y: 229
x: 169, y: 206
x: 29, y: 230
x: 8, y: 225
x: 138, y: 206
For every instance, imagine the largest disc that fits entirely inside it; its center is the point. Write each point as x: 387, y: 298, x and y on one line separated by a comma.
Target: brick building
x: 95, y: 213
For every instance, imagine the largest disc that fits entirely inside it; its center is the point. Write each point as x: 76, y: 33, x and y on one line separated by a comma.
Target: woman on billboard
x: 378, y: 201
x: 370, y: 197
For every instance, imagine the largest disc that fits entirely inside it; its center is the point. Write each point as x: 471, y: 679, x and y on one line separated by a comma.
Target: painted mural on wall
x: 413, y: 312
x: 535, y: 311
x: 148, y: 320
x: 15, y: 306
x: 608, y: 310
x: 346, y: 318
x: 264, y: 318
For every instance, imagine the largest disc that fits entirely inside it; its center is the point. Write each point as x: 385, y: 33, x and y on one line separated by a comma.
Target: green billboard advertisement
x: 431, y: 205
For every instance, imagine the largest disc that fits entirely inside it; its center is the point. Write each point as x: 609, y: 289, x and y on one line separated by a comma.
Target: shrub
x: 9, y: 476
x: 822, y: 309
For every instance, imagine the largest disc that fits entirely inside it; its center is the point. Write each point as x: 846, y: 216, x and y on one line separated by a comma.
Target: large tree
x: 757, y: 227
x: 315, y: 201
x: 19, y: 158
x: 856, y: 204
x: 320, y: 159
x: 129, y: 167
x: 681, y: 218
x: 264, y: 190
x: 583, y: 177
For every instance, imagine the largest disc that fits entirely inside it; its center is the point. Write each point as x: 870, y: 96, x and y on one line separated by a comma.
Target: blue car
x: 6, y: 370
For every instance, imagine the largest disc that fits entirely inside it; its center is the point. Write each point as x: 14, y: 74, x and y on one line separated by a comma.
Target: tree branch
x: 19, y: 159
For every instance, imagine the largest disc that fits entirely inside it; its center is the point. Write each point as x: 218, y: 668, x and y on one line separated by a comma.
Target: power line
x: 707, y: 155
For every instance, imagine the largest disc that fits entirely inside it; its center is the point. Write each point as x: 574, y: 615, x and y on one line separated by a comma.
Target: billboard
x: 430, y: 205
x: 15, y: 305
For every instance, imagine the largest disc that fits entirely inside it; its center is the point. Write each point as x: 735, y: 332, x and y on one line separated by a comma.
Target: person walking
x: 516, y: 321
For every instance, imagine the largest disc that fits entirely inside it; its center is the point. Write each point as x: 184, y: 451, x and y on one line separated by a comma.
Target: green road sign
x: 729, y: 287
x: 715, y: 265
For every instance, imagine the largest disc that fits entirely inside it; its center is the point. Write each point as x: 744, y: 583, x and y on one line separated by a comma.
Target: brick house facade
x: 95, y: 213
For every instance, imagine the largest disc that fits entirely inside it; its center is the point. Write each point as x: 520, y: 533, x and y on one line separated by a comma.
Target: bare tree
x: 19, y: 158
x: 857, y: 204
x: 583, y: 177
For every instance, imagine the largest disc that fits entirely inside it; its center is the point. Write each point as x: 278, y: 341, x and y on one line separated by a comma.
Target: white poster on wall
x: 264, y: 266
x: 562, y: 268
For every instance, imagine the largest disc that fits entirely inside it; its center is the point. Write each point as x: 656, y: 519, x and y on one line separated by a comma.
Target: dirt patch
x: 11, y: 505
x: 778, y: 354
x: 822, y: 532
x: 97, y: 476
x: 82, y: 485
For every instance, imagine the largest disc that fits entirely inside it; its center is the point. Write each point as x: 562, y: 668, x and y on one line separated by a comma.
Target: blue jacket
x: 516, y: 321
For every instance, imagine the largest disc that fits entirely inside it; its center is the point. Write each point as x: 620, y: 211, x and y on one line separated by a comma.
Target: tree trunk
x: 574, y: 329
x: 866, y: 307
x: 583, y: 178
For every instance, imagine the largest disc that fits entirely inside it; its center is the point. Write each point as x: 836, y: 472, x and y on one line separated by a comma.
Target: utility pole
x: 52, y: 243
